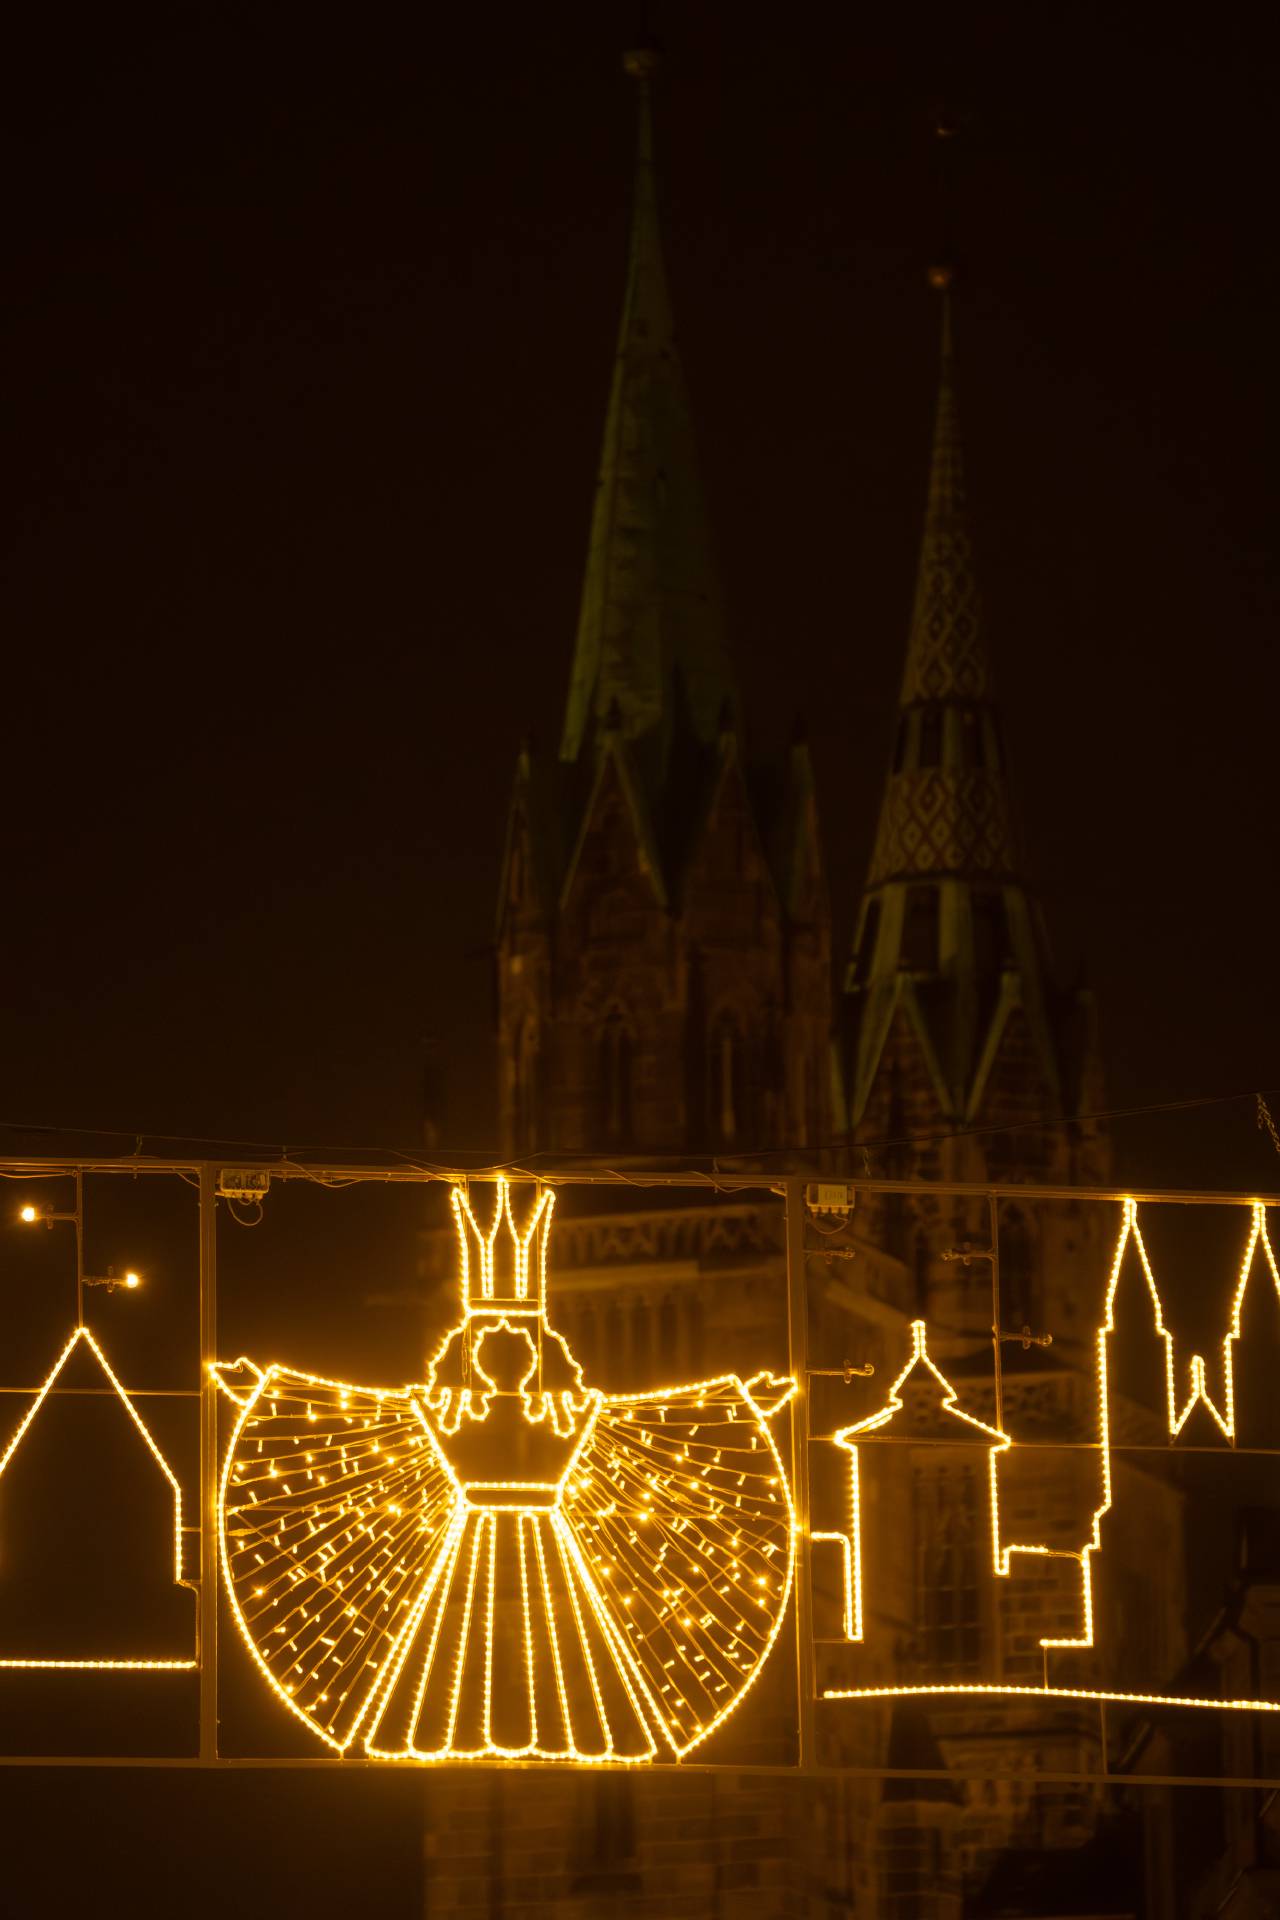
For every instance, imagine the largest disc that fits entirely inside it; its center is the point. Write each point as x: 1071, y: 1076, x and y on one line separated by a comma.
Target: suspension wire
x: 288, y: 1155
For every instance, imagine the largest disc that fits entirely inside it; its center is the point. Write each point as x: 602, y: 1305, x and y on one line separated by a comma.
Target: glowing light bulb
x: 133, y: 1280
x: 28, y: 1215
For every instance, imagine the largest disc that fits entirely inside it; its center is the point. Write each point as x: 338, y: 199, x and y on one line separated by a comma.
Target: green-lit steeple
x: 663, y: 937
x: 650, y: 639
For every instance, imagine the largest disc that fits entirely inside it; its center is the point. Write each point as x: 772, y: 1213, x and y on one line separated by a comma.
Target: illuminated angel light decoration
x: 82, y: 1334
x: 504, y: 1562
x: 1130, y: 1235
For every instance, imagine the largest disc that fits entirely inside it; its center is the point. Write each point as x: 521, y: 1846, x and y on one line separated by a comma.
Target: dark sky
x: 307, y: 343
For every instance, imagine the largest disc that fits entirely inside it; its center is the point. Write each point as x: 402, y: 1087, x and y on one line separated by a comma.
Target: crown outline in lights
x: 503, y: 1267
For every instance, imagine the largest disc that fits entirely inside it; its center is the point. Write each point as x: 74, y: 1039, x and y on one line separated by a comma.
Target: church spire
x: 947, y: 936
x: 945, y: 808
x: 945, y: 654
x: 650, y: 629
x: 663, y: 940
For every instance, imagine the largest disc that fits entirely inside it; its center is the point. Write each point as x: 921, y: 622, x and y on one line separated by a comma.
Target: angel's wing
x: 333, y: 1506
x: 681, y: 1509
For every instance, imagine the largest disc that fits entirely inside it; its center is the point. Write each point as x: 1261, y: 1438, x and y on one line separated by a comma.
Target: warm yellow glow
x: 82, y: 1333
x: 1130, y: 1232
x: 851, y: 1587
x: 485, y: 1244
x: 106, y: 1666
x: 505, y: 1563
x: 1002, y: 1554
x: 1052, y: 1693
x: 132, y: 1280
x: 848, y: 1438
x: 1226, y: 1417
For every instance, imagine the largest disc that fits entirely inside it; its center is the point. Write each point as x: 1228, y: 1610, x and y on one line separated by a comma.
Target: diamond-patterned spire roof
x: 945, y: 809
x: 650, y: 630
x: 947, y: 935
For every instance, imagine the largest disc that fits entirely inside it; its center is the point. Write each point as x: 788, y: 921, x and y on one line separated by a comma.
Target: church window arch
x: 615, y: 1065
x: 729, y: 1087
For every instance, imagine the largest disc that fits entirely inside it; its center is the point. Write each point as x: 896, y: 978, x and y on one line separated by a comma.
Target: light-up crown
x: 504, y: 1265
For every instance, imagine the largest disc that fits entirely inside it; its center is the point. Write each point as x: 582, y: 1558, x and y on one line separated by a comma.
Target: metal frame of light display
x: 447, y: 1571
x: 505, y: 1563
x: 851, y: 1439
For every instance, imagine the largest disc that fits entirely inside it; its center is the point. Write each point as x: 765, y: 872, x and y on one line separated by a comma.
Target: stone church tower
x: 962, y: 1060
x: 663, y: 952
x: 664, y: 989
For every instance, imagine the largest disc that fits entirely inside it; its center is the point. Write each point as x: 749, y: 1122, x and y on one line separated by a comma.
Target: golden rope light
x: 82, y: 1334
x: 505, y: 1563
x: 1002, y: 1554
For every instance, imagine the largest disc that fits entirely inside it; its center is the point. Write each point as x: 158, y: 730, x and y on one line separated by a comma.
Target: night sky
x: 308, y: 338
x: 307, y: 341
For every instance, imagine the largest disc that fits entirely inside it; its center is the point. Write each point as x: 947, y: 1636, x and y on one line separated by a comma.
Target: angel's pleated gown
x: 389, y: 1611
x: 511, y: 1651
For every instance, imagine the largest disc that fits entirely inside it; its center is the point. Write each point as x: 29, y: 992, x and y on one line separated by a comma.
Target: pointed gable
x: 91, y: 1573
x: 1135, y: 1349
x: 532, y: 859
x: 922, y: 1404
x: 728, y: 882
x: 797, y: 841
x: 1248, y: 1407
x: 614, y: 864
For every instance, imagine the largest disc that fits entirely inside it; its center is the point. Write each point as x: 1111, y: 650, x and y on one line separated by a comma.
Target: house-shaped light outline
x: 82, y: 1334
